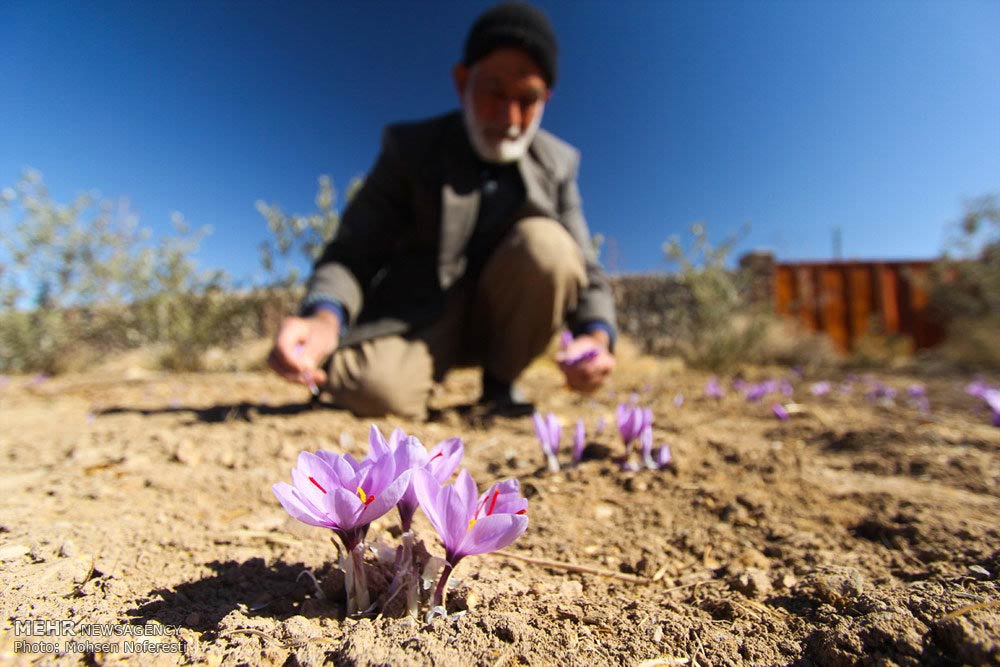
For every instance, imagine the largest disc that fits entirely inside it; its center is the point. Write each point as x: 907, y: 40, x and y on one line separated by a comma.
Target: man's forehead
x: 521, y: 76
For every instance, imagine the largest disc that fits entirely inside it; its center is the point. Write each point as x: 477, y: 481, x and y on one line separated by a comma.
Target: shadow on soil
x: 216, y: 414
x: 271, y: 591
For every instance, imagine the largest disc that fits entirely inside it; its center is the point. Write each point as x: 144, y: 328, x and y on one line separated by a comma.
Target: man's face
x: 503, y: 97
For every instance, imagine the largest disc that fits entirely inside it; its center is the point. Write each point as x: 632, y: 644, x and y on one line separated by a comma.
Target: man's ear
x: 460, y: 75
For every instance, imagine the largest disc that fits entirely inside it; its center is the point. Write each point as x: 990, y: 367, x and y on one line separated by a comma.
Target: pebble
x: 68, y: 549
x: 13, y: 551
x: 186, y: 453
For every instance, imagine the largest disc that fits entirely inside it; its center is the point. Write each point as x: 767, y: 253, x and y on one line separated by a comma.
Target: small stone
x: 13, y: 551
x: 571, y: 589
x: 656, y: 635
x: 186, y: 453
x: 298, y: 629
x: 603, y: 511
x: 68, y: 549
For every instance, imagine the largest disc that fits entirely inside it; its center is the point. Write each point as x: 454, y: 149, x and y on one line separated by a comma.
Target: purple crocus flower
x: 337, y: 492
x: 786, y: 387
x: 755, y: 392
x: 468, y: 524
x: 881, y: 392
x: 992, y: 398
x: 631, y: 420
x: 549, y: 432
x: 579, y: 441
x: 664, y: 457
x: 917, y: 394
x: 678, y: 400
x: 602, y: 424
x: 779, y: 411
x: 820, y: 388
x: 409, y: 453
x: 646, y: 442
x: 977, y: 388
x: 713, y: 389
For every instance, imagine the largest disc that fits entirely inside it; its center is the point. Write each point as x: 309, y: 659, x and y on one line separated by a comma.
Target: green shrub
x: 713, y: 322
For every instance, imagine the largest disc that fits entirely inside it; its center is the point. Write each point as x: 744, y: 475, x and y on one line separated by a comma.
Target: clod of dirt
x: 753, y: 583
x: 836, y: 586
x: 972, y: 639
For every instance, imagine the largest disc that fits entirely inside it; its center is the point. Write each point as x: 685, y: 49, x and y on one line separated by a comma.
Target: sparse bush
x: 83, y: 279
x: 965, y: 288
x: 713, y: 323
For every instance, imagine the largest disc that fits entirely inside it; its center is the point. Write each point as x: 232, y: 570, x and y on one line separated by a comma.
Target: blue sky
x: 879, y: 118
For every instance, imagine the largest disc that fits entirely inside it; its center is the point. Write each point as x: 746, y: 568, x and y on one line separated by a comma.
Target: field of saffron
x: 791, y: 519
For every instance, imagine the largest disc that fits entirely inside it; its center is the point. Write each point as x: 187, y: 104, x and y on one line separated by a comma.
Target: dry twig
x: 571, y: 567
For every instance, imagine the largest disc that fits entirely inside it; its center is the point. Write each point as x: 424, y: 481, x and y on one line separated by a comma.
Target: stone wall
x: 643, y: 303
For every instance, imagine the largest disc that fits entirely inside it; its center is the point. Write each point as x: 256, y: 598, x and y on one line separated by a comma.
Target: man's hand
x: 586, y: 362
x: 302, y: 344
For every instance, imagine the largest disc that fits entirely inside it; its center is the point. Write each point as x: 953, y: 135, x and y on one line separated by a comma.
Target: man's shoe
x: 504, y: 399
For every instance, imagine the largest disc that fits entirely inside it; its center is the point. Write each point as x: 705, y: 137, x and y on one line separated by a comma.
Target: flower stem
x: 356, y: 581
x: 442, y: 585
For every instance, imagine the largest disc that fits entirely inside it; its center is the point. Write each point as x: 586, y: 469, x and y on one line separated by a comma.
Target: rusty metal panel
x: 832, y: 307
x: 846, y: 299
x: 784, y: 290
x: 860, y: 299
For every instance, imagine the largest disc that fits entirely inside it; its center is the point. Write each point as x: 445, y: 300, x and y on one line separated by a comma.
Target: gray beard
x: 509, y: 150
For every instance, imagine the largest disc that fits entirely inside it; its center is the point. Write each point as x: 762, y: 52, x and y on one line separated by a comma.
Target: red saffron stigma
x: 369, y: 500
x: 438, y: 455
x: 317, y: 485
x: 493, y: 503
x: 521, y: 512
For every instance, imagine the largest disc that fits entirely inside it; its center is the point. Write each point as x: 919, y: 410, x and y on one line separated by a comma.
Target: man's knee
x: 382, y: 377
x: 544, y: 247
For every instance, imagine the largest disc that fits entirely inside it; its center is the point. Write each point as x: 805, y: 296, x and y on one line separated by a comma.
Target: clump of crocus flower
x: 548, y: 430
x: 338, y: 492
x: 631, y: 420
x: 779, y: 411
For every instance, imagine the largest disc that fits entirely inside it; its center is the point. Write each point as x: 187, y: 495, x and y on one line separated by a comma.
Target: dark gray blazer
x: 401, y: 243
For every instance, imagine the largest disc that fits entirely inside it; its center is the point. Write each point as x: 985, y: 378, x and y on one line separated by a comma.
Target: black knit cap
x: 514, y: 24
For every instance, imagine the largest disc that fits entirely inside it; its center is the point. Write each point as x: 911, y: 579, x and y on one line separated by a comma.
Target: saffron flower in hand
x: 469, y: 524
x: 566, y: 359
x: 549, y: 432
x: 337, y: 492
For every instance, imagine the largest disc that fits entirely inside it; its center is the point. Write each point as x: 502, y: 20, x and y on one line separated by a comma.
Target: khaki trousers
x: 501, y: 323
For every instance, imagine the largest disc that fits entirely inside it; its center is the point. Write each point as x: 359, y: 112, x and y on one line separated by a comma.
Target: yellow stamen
x: 472, y: 522
x: 361, y: 494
